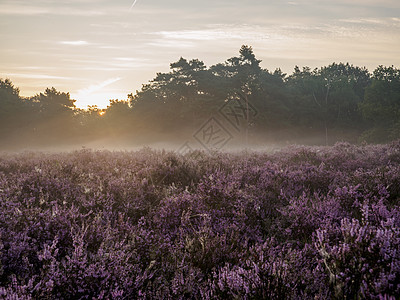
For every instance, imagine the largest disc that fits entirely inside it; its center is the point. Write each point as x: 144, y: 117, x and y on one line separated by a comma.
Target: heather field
x: 297, y: 223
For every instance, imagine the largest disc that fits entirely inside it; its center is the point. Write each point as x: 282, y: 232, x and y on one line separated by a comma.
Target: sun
x: 100, y: 99
x: 98, y: 94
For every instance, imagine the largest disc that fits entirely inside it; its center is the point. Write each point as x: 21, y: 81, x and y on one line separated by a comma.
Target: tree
x: 10, y: 108
x: 16, y: 114
x: 10, y: 101
x: 238, y: 73
x: 329, y: 96
x: 52, y: 102
x: 55, y: 114
x: 171, y: 99
x: 242, y: 75
x: 381, y: 106
x: 117, y: 117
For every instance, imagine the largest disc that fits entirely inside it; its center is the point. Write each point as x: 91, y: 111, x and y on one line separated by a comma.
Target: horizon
x: 99, y: 51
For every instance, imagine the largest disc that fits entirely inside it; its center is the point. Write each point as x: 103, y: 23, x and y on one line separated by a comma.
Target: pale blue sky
x: 104, y: 49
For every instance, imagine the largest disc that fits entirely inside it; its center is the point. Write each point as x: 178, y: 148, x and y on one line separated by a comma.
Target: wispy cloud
x: 133, y: 4
x: 98, y: 94
x: 202, y: 35
x: 364, y: 3
x: 34, y: 68
x: 96, y: 87
x: 373, y: 21
x: 36, y: 76
x: 86, y: 39
x: 131, y: 59
x: 242, y: 32
x: 15, y: 9
x: 111, y: 47
x: 74, y: 43
x: 30, y: 10
x: 171, y: 44
x: 109, y: 63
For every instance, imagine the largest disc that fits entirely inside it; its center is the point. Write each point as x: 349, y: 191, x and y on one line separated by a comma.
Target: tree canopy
x: 335, y: 102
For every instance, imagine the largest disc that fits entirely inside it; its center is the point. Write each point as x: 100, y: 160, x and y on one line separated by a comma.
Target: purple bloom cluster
x: 299, y: 223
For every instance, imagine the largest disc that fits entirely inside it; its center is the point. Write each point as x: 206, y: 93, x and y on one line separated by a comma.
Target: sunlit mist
x: 97, y: 94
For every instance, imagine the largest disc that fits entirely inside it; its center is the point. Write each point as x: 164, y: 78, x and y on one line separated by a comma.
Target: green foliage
x: 335, y: 102
x: 53, y: 102
x: 328, y: 97
x: 13, y: 109
x: 381, y: 105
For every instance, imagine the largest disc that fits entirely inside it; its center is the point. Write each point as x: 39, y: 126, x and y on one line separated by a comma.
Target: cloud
x: 171, y: 44
x: 389, y: 22
x: 38, y: 76
x: 96, y: 87
x: 33, y: 68
x: 98, y: 94
x: 74, y: 43
x: 109, y: 63
x: 19, y: 10
x: 202, y: 35
x: 30, y: 10
x: 131, y: 59
x: 364, y: 21
x: 133, y: 4
x: 364, y: 3
x: 111, y: 47
x: 220, y: 32
x: 382, y: 3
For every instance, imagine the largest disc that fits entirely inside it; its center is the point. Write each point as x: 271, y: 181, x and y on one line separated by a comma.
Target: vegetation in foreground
x: 301, y: 223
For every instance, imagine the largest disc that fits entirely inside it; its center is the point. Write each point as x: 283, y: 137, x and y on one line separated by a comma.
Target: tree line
x: 335, y: 102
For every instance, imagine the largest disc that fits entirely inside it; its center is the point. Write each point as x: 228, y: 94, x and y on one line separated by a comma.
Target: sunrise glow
x: 105, y: 50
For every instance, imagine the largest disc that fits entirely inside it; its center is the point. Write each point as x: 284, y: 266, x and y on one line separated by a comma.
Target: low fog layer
x: 228, y: 106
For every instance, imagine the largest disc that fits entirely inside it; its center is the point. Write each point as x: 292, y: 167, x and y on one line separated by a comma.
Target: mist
x: 233, y: 105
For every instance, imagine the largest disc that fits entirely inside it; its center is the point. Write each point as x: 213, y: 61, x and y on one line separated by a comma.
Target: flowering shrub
x: 300, y: 223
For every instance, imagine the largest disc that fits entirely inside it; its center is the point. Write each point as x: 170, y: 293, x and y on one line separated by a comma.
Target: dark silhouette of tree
x: 55, y: 115
x: 170, y: 99
x: 381, y: 106
x: 11, y: 106
x: 10, y: 101
x: 338, y: 101
x: 117, y: 119
x: 53, y: 102
x: 330, y: 95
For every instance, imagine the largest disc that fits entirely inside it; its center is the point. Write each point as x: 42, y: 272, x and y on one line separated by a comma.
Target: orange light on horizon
x: 102, y: 113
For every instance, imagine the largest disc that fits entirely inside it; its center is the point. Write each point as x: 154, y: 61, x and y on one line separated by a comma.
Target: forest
x: 338, y: 102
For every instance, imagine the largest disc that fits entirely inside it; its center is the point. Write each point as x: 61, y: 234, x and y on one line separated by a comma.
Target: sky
x: 99, y: 49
